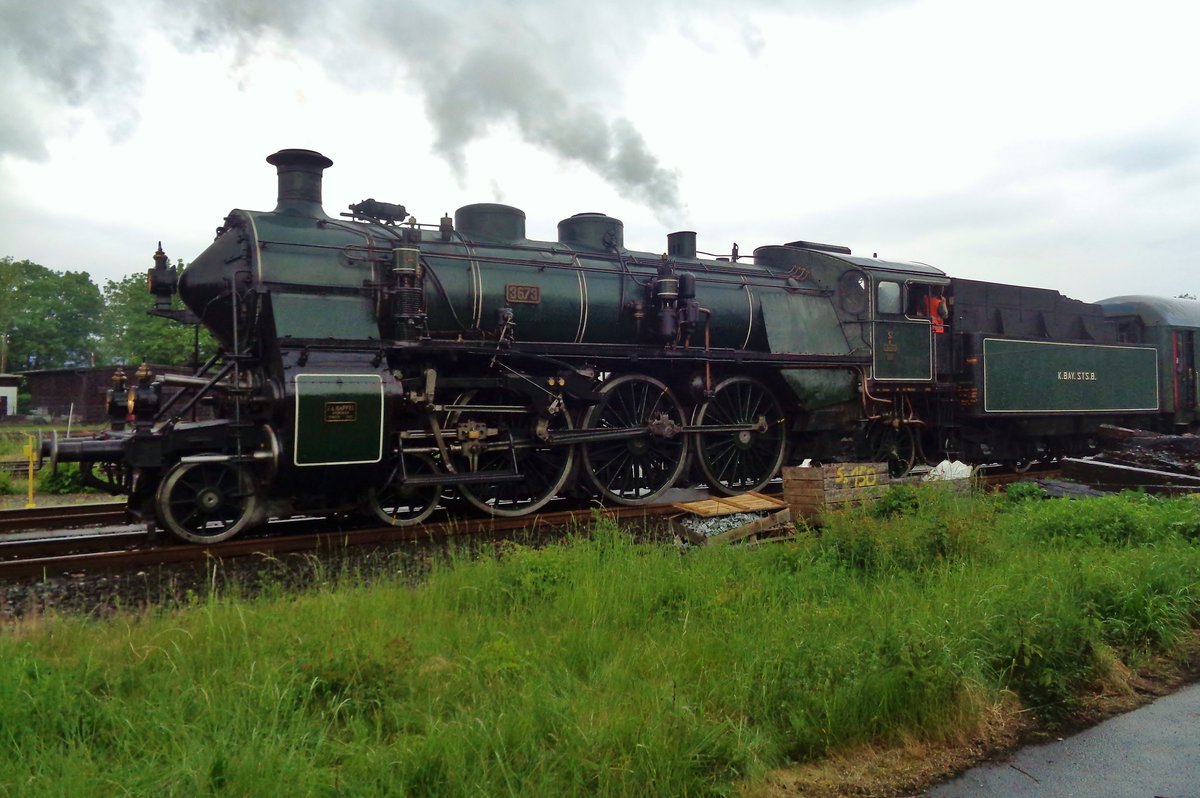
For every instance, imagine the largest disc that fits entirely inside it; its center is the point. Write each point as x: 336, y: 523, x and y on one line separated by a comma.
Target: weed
x: 64, y: 480
x: 1018, y: 492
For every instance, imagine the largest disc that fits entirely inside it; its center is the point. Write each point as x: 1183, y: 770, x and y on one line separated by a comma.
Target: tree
x: 48, y: 316
x: 131, y: 335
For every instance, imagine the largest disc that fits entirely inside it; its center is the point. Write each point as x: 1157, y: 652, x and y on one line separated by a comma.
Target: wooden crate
x: 810, y: 492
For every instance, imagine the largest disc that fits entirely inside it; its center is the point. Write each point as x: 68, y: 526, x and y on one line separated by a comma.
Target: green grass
x: 606, y: 666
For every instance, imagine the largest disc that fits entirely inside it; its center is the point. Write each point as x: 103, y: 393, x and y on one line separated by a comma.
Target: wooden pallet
x: 728, y: 505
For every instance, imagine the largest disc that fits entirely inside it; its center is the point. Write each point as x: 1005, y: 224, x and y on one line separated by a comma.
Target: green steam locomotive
x: 369, y: 363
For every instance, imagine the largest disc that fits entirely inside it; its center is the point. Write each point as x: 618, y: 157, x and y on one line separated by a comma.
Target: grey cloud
x: 548, y: 69
x: 1148, y: 155
x: 1145, y: 153
x: 65, y: 55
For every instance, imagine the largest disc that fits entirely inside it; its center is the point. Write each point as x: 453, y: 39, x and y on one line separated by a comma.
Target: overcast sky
x: 1041, y: 142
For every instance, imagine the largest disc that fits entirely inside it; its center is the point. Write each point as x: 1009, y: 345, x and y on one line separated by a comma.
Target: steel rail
x: 135, y: 554
x: 62, y: 516
x: 135, y: 547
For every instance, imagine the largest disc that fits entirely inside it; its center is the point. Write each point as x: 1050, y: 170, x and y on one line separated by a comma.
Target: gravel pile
x: 723, y: 523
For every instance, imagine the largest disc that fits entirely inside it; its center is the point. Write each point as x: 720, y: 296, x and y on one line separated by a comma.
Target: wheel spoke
x: 638, y: 469
x: 734, y: 462
x: 206, y: 502
x: 544, y: 468
x: 401, y: 504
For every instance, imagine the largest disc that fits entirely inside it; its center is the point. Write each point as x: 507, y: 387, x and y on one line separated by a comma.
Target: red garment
x: 935, y: 309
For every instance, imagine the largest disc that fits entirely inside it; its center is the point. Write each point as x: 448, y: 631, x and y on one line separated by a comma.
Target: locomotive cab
x: 909, y: 318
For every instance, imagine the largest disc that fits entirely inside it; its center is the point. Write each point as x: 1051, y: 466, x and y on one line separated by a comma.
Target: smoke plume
x: 550, y: 71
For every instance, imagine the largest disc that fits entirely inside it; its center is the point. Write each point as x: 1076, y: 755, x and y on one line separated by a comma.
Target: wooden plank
x: 728, y: 505
x: 791, y: 494
x: 814, y: 492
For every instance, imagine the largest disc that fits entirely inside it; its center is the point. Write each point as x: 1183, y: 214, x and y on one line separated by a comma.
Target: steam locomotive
x: 371, y: 363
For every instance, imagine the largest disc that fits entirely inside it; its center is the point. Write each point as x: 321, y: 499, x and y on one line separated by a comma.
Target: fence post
x: 29, y: 453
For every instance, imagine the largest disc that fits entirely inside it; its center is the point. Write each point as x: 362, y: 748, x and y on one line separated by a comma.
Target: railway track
x: 79, y: 546
x: 66, y: 516
x: 133, y: 548
x: 996, y: 477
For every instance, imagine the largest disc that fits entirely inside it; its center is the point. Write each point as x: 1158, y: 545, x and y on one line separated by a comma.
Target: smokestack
x: 681, y: 244
x: 300, y: 182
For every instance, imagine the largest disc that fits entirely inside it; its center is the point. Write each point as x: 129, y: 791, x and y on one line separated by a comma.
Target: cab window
x: 918, y: 304
x: 887, y: 298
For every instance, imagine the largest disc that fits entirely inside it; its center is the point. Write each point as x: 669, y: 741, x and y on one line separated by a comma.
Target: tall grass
x: 607, y: 666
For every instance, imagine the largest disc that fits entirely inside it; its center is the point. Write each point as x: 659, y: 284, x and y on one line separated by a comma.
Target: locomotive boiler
x: 371, y: 363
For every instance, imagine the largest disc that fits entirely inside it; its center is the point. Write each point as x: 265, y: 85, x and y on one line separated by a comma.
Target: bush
x: 66, y: 479
x: 1019, y: 492
x: 7, y: 488
x: 899, y: 500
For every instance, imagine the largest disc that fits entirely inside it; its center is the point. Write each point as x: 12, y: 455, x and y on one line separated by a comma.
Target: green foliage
x: 65, y: 480
x: 1018, y: 492
x: 57, y: 319
x: 7, y: 488
x: 50, y: 317
x: 897, y: 500
x: 131, y: 335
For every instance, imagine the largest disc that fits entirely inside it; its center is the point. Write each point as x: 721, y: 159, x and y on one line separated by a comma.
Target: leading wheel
x: 206, y: 502
x: 737, y: 461
x: 401, y: 503
x: 496, y: 427
x: 639, y: 468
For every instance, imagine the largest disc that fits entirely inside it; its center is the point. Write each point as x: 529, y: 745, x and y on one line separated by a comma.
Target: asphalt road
x: 1153, y: 752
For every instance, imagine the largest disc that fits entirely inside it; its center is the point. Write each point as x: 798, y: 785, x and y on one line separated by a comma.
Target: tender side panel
x: 1037, y: 377
x: 339, y: 419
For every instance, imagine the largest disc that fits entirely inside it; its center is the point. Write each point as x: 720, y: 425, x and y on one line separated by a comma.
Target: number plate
x: 523, y: 294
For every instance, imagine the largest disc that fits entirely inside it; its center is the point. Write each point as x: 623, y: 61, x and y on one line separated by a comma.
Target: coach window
x: 887, y: 298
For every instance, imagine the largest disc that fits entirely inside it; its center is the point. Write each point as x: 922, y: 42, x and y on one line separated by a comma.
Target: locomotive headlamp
x: 162, y: 281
